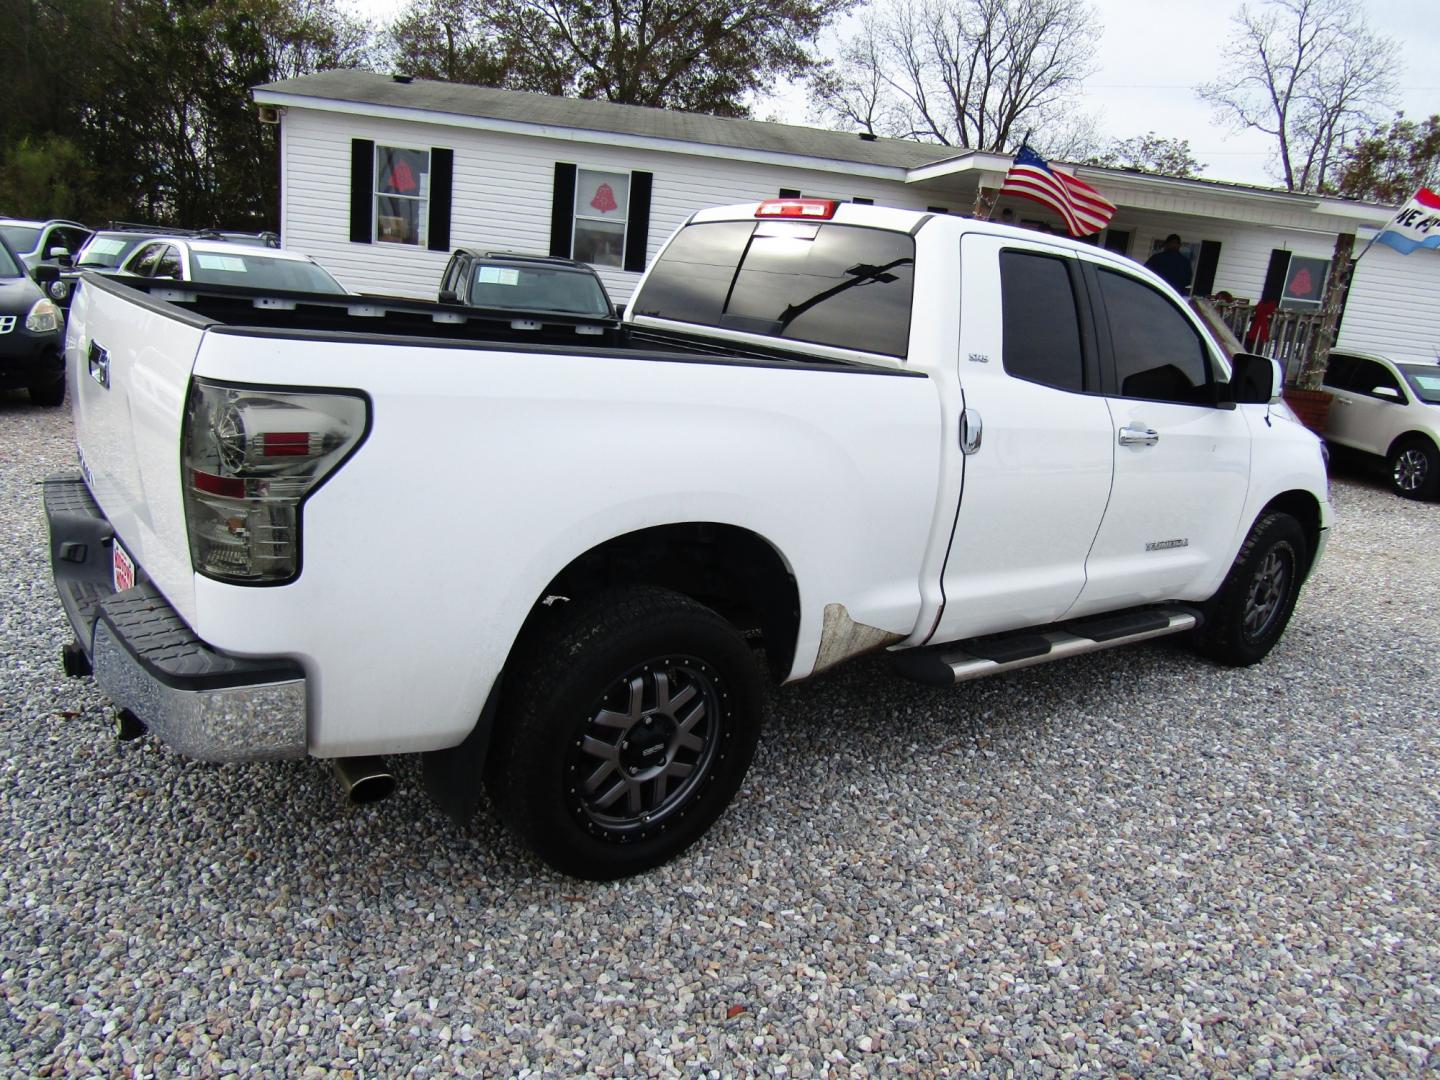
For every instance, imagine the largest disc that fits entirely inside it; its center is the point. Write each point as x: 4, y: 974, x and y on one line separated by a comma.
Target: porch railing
x: 1293, y: 338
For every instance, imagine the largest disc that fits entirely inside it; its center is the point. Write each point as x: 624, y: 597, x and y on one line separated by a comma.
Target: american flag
x: 1084, y: 209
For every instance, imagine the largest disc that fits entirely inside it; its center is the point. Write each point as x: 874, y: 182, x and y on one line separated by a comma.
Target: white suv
x: 220, y: 262
x: 1391, y: 409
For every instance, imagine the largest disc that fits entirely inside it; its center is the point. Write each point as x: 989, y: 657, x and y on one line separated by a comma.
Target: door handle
x: 99, y: 364
x: 971, y: 429
x: 1138, y: 436
x: 1342, y: 400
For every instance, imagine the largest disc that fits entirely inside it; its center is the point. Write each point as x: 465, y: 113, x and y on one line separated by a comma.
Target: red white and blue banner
x: 1084, y: 209
x: 1415, y: 225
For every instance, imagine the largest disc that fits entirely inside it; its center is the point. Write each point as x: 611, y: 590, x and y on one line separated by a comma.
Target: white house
x: 381, y: 176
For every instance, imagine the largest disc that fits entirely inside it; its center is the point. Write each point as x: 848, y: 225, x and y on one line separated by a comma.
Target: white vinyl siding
x: 502, y: 193
x: 1392, y: 308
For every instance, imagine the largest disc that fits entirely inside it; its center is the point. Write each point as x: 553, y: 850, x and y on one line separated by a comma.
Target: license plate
x: 124, y: 568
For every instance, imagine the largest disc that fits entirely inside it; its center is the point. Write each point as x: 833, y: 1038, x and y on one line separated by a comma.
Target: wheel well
x: 1304, y: 508
x: 732, y: 570
x: 1408, y: 437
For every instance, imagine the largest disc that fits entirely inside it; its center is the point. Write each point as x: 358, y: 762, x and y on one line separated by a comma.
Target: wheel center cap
x: 645, y: 745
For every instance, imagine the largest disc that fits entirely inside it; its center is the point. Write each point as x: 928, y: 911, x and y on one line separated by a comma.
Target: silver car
x: 1391, y: 409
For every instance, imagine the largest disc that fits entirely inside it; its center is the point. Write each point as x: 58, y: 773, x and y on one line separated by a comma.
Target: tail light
x: 251, y: 457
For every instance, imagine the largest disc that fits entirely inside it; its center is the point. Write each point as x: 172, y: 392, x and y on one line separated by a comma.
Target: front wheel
x: 1415, y: 469
x: 1245, y: 619
x: 629, y: 721
x: 48, y: 393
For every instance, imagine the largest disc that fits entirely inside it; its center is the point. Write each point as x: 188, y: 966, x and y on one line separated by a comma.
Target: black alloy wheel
x: 1245, y: 618
x: 628, y: 721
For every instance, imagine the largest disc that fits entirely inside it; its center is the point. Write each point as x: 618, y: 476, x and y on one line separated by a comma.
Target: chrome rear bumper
x: 199, y: 701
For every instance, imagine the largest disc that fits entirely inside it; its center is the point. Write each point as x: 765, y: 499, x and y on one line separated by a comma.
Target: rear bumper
x: 201, y: 702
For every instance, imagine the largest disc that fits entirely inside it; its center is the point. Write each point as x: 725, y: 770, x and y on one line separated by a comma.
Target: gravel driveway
x: 1131, y: 862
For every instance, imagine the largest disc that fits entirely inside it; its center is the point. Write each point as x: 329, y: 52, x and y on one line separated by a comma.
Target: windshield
x: 256, y: 271
x: 1424, y: 379
x: 21, y: 237
x: 107, y: 252
x: 8, y: 266
x: 538, y: 288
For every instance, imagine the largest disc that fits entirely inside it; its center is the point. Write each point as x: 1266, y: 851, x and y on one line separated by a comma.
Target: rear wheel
x: 1415, y: 469
x: 629, y: 722
x: 1245, y: 619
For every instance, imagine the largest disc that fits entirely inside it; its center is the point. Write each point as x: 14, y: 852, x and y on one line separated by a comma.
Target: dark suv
x: 30, y: 334
x: 538, y: 285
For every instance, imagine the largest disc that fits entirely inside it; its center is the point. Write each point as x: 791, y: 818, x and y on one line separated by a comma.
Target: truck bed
x: 267, y: 313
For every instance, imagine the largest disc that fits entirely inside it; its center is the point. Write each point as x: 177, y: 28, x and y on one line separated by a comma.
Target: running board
x: 945, y: 665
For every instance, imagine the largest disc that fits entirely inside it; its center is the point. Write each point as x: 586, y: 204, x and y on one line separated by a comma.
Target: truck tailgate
x: 129, y: 361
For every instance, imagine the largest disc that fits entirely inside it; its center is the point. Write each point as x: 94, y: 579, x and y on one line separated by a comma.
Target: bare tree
x: 1309, y: 73
x: 970, y: 73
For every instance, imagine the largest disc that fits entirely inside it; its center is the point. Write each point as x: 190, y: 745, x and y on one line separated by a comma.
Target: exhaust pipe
x: 364, y: 779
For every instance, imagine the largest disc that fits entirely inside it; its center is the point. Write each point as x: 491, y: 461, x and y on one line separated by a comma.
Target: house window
x: 1304, y: 283
x: 602, y: 200
x: 402, y: 195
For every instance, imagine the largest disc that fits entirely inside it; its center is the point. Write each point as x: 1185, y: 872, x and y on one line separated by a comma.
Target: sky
x: 1152, y: 55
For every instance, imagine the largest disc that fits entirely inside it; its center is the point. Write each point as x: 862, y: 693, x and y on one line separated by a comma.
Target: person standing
x: 1173, y: 265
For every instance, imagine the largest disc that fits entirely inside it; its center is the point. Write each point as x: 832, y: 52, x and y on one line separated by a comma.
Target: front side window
x: 402, y: 195
x: 836, y: 285
x: 143, y: 262
x: 601, y: 203
x: 1370, y: 376
x: 1040, y: 321
x: 168, y: 265
x: 1159, y: 355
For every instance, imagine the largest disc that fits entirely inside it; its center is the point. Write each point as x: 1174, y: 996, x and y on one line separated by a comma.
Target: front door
x: 1182, y: 461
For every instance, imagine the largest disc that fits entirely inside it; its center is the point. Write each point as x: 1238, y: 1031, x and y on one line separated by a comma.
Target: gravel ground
x: 1130, y: 863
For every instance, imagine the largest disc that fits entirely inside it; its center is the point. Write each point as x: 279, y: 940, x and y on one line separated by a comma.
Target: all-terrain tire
x: 1246, y: 617
x: 629, y: 720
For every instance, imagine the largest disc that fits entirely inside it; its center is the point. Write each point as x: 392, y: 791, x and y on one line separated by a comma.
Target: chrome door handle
x: 1138, y: 436
x: 971, y: 429
x: 99, y: 364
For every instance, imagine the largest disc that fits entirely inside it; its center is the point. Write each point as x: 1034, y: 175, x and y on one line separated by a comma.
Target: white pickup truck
x: 347, y: 528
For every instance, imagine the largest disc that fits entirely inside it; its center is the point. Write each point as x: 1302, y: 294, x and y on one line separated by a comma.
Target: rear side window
x: 836, y: 285
x: 1041, y: 322
x: 1158, y: 355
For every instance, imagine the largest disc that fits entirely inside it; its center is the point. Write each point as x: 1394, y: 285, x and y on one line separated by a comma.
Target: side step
x: 945, y: 665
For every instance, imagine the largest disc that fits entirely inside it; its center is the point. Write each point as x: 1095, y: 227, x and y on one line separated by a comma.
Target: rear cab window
x: 843, y: 286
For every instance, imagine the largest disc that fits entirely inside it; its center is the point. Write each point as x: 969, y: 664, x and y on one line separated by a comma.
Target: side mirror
x: 620, y: 311
x: 449, y: 296
x: 1255, y: 379
x: 1389, y: 393
x: 59, y: 251
x: 44, y: 274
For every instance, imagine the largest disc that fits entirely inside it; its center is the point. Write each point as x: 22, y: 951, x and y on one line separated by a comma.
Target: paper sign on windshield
x: 221, y: 262
x: 498, y: 275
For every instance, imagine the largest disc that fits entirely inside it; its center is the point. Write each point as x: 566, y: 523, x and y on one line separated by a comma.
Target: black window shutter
x: 442, y: 175
x: 1205, y: 272
x: 637, y: 225
x: 362, y: 190
x: 1275, y: 275
x: 562, y: 210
